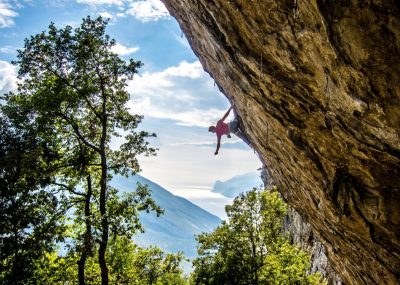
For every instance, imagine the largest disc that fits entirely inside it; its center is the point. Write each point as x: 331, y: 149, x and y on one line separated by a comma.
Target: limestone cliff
x: 316, y: 83
x: 303, y: 236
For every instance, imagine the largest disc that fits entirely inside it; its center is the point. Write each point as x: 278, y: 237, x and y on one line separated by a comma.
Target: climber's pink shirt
x: 221, y: 129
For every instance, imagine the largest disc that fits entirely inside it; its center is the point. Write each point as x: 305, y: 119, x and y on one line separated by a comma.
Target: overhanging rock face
x: 317, y: 84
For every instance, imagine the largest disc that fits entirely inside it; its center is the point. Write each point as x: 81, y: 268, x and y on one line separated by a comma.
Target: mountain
x: 174, y: 230
x: 238, y: 184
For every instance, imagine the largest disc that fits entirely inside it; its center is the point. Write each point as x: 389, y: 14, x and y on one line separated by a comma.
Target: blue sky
x: 177, y: 98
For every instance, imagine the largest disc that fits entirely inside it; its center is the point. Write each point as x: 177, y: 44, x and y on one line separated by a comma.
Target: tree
x: 250, y: 247
x: 75, y: 84
x: 30, y: 215
x: 288, y: 265
x: 121, y: 256
x: 152, y: 264
x: 128, y: 264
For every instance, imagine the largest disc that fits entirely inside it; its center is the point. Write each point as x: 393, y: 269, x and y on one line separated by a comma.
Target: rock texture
x: 303, y: 235
x: 316, y: 83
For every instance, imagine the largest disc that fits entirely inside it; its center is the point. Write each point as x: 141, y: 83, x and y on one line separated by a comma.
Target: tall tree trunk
x: 88, y: 234
x: 104, y: 223
x: 103, y: 193
x: 15, y: 267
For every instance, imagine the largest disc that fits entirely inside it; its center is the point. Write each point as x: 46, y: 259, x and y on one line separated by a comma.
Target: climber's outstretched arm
x: 226, y: 114
x: 218, y: 145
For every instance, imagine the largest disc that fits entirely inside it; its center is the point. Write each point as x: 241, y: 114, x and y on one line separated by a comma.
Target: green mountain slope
x: 175, y: 230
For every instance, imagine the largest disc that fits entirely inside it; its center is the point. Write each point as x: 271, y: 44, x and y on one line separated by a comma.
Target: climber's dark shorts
x: 234, y: 126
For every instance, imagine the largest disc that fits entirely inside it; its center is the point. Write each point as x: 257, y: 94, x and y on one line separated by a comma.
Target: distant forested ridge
x: 175, y: 230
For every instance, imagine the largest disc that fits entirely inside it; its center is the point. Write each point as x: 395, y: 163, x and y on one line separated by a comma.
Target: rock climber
x: 223, y: 128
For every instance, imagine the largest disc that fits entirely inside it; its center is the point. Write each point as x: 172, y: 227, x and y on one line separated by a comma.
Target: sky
x: 177, y: 98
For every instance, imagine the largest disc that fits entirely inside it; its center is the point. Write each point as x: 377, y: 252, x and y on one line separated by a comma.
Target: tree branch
x: 69, y: 189
x: 75, y: 127
x: 91, y: 107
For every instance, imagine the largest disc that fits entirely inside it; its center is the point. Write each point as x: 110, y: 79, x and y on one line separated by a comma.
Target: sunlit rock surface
x: 316, y: 84
x: 302, y: 235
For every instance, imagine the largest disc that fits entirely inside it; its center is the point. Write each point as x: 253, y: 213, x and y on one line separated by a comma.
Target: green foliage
x: 53, y: 269
x: 153, y: 266
x: 123, y: 210
x: 30, y: 215
x: 121, y: 256
x: 288, y: 264
x: 72, y: 101
x: 250, y: 248
x: 128, y: 264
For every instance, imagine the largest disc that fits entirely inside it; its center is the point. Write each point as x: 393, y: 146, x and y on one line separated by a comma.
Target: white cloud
x: 148, y: 10
x: 191, y: 171
x: 185, y: 69
x: 123, y: 50
x: 183, y: 93
x: 106, y: 15
x: 213, y: 202
x: 205, y: 143
x: 6, y: 15
x: 101, y: 2
x: 8, y: 49
x: 143, y: 10
x: 192, y: 117
x: 8, y: 77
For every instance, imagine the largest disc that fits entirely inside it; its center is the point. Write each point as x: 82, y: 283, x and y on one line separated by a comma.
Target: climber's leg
x: 236, y: 127
x: 241, y: 135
